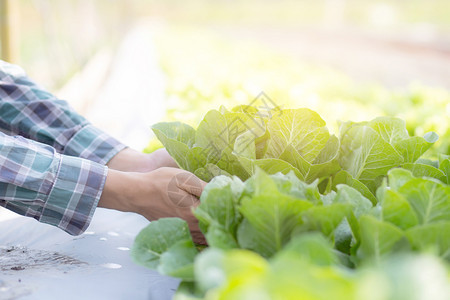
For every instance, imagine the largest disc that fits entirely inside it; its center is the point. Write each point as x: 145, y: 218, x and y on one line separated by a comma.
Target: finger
x: 191, y: 183
x: 199, y: 238
x: 197, y: 235
x: 182, y: 199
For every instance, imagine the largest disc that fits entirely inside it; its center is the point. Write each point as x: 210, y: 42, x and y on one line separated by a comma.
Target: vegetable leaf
x: 378, y: 238
x: 434, y: 237
x: 302, y: 129
x: 429, y: 199
x: 365, y: 155
x: 269, y: 222
x: 166, y: 245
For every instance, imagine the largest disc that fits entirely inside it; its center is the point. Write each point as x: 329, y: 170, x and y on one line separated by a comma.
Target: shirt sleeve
x: 56, y: 189
x: 28, y: 110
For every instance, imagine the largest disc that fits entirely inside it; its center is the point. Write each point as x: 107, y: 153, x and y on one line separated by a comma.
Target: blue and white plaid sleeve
x: 42, y: 178
x: 28, y: 110
x: 56, y: 189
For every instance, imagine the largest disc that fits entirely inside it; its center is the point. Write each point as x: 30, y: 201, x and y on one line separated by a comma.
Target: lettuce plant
x: 267, y: 214
x: 307, y: 268
x: 238, y: 142
x: 293, y: 212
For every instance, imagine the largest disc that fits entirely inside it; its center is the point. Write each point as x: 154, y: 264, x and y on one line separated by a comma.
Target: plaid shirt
x: 52, y: 161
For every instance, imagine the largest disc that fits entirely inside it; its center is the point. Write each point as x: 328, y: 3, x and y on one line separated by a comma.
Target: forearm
x: 37, y: 182
x: 134, y: 192
x: 130, y: 160
x: 119, y: 190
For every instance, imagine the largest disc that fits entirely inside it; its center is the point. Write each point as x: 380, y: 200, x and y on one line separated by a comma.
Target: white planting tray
x: 38, y: 261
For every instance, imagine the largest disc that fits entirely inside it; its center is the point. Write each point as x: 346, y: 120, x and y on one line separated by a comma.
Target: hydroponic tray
x: 38, y: 261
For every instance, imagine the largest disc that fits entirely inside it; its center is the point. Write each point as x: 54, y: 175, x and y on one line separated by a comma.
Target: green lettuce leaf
x: 289, y: 184
x: 219, y: 131
x: 269, y: 165
x: 393, y: 131
x: 397, y: 210
x: 166, y: 245
x: 270, y: 219
x: 177, y: 138
x: 444, y: 166
x: 343, y: 177
x: 218, y: 213
x: 430, y: 199
x: 209, y: 269
x: 413, y: 147
x: 359, y: 205
x: 325, y: 218
x: 325, y: 164
x: 398, y: 178
x: 378, y: 238
x: 370, y: 149
x: 365, y: 155
x: 311, y: 247
x: 433, y: 237
x: 422, y: 170
x: 302, y: 129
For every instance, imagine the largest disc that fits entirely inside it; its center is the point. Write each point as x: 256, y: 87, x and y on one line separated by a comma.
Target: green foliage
x: 279, y: 226
x: 307, y: 269
x: 289, y: 222
x: 166, y: 245
x: 243, y: 140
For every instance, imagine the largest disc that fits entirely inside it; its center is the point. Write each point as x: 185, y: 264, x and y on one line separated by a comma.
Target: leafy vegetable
x: 166, y: 245
x: 293, y: 212
x: 307, y: 268
x: 239, y: 141
x: 365, y: 155
x: 378, y: 238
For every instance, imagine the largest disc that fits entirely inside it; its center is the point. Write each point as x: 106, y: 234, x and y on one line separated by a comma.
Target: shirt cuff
x: 75, y: 194
x: 93, y: 144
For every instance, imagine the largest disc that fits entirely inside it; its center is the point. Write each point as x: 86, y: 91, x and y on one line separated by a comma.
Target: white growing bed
x: 38, y: 261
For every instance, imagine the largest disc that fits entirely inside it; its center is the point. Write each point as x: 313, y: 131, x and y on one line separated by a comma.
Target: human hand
x: 130, y: 160
x: 164, y: 192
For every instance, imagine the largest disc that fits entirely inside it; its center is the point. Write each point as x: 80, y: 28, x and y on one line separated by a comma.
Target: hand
x: 164, y: 192
x: 130, y: 160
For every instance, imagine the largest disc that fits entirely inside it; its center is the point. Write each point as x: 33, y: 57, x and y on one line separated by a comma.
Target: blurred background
x: 126, y: 64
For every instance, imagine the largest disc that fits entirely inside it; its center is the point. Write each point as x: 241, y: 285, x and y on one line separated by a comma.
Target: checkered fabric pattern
x: 52, y: 160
